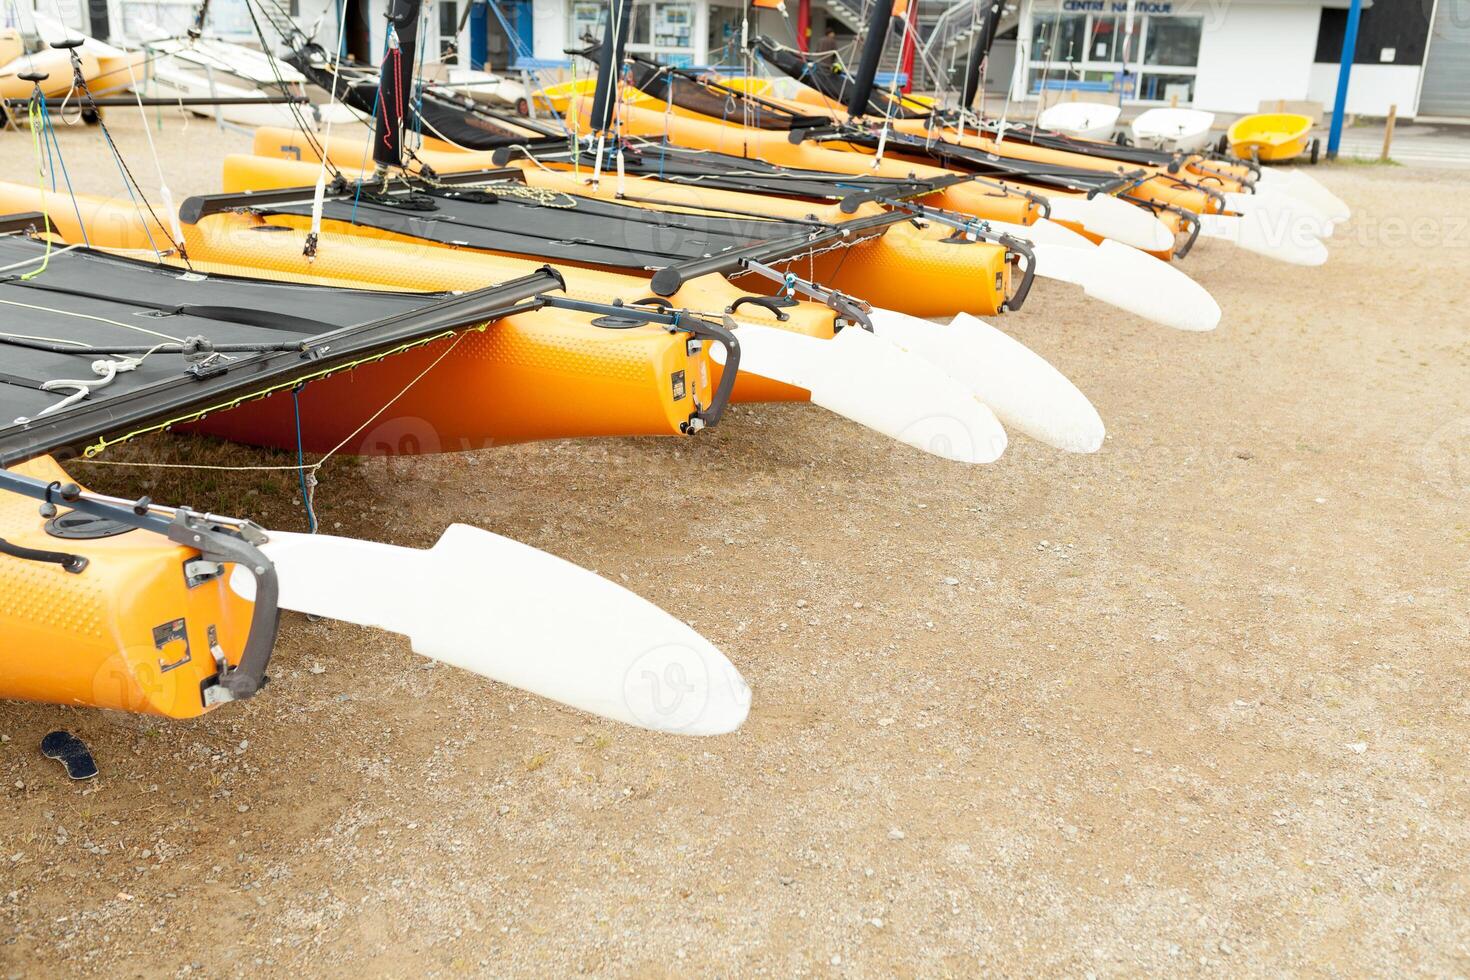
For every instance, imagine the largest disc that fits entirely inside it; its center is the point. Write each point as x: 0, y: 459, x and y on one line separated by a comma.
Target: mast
x: 1127, y: 51
x: 196, y: 30
x: 984, y: 38
x: 610, y: 62
x: 395, y: 82
x: 862, y: 89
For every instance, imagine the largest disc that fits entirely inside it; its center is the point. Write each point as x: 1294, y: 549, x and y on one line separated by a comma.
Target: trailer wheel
x: 91, y: 116
x: 1314, y: 149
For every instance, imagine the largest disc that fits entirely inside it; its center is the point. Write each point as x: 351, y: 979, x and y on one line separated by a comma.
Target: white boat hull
x: 1173, y: 129
x: 168, y: 80
x: 1086, y: 120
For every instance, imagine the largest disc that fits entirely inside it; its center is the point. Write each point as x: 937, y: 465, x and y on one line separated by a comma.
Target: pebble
x: 896, y: 834
x: 951, y: 581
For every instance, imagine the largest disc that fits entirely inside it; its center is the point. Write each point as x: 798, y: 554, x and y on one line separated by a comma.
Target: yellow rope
x: 101, y: 445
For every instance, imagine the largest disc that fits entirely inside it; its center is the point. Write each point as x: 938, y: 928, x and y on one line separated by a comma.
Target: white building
x: 1222, y: 55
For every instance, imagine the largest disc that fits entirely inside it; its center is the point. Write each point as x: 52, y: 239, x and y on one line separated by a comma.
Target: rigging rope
x: 90, y: 316
x: 43, y: 259
x: 130, y: 183
x: 33, y: 113
x: 307, y: 469
x: 308, y: 483
x: 168, y: 197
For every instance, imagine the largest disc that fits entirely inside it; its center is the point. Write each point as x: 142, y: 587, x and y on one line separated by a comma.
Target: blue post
x: 1344, y: 75
x: 479, y: 36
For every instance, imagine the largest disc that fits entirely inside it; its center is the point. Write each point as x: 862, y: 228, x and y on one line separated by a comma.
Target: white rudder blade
x: 1307, y: 189
x: 1111, y: 218
x: 877, y: 384
x: 1278, y: 206
x: 1018, y: 384
x: 509, y: 612
x: 1272, y: 236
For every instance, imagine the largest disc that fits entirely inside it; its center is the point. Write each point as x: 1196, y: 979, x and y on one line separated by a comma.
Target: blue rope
x: 49, y: 135
x: 522, y: 51
x: 128, y: 186
x: 301, y: 462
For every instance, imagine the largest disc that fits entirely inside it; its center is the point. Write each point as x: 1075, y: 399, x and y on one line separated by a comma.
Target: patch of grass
x: 1365, y: 162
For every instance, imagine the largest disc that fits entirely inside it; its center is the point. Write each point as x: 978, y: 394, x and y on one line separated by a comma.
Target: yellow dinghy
x: 1272, y: 137
x: 558, y: 98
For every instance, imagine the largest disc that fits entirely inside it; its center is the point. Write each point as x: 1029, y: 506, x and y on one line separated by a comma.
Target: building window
x: 663, y: 29
x: 586, y: 21
x: 1173, y: 41
x: 1072, y: 51
x: 448, y: 32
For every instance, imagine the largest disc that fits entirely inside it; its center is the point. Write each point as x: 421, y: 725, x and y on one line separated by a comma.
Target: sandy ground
x: 1196, y: 704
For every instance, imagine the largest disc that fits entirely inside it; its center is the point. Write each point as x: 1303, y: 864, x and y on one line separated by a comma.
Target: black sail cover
x: 504, y: 215
x: 827, y: 76
x: 610, y: 62
x: 395, y: 83
x: 680, y: 165
x: 717, y: 101
x: 89, y: 308
x: 432, y: 111
x: 861, y: 89
x: 833, y: 81
x: 980, y: 50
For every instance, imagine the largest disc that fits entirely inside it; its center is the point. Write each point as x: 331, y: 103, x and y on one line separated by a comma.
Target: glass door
x: 1155, y: 62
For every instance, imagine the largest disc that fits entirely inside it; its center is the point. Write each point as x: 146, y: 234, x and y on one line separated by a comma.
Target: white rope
x: 89, y: 316
x: 319, y: 196
x: 40, y: 258
x: 106, y: 371
x: 175, y: 230
x: 893, y: 90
